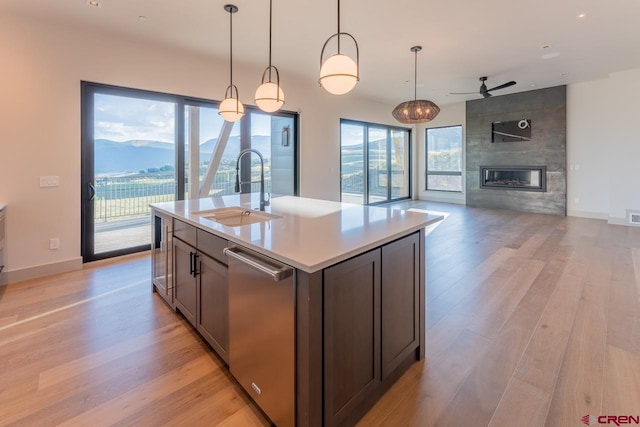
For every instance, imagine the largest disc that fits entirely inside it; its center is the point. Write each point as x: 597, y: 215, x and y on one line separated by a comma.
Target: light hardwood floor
x: 532, y: 320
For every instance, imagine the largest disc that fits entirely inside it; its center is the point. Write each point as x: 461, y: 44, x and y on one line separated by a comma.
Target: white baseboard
x: 587, y: 214
x: 29, y: 273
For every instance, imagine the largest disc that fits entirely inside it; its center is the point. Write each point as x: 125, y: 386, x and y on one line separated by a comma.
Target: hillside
x: 132, y: 156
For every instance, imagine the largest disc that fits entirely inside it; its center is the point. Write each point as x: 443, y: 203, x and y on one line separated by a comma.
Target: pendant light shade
x: 231, y: 109
x: 339, y: 73
x: 418, y: 110
x: 269, y: 96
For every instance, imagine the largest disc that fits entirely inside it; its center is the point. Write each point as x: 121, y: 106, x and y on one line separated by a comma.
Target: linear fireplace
x: 525, y: 178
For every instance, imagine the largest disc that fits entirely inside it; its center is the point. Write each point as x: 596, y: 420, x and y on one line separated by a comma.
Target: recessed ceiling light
x: 142, y: 18
x: 551, y: 55
x: 532, y: 85
x: 94, y: 3
x: 545, y: 46
x: 582, y: 15
x: 564, y: 74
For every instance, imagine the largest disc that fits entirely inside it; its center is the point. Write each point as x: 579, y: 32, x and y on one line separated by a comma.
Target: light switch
x: 49, y: 181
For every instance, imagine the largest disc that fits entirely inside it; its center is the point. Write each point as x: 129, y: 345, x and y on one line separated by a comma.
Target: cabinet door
x: 400, y: 301
x: 351, y: 335
x: 185, y: 283
x: 213, y: 310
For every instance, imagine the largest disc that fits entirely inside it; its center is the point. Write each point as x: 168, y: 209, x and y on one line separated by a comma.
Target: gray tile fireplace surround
x: 546, y: 108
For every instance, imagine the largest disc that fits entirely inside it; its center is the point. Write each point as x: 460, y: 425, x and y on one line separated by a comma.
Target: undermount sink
x: 236, y: 216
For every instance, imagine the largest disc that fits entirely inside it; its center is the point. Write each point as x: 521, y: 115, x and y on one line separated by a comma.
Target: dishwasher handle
x: 277, y: 274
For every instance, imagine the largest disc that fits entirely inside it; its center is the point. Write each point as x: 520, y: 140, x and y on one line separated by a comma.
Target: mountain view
x: 112, y: 157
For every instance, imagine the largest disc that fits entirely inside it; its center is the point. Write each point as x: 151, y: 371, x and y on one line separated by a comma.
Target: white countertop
x: 313, y: 234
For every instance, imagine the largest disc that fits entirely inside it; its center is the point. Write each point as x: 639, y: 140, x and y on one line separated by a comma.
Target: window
x: 384, y: 152
x: 141, y: 147
x: 444, y: 159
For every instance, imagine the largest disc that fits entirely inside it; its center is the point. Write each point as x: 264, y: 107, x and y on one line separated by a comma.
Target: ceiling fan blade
x: 486, y: 94
x: 511, y: 83
x: 462, y: 93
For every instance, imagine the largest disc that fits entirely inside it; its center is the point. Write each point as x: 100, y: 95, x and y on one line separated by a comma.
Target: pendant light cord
x: 415, y: 76
x: 338, y: 27
x: 270, y: 25
x: 231, y: 49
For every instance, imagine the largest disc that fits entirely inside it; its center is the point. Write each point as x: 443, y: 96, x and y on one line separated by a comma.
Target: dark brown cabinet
x: 371, y: 325
x: 400, y: 300
x: 200, y: 284
x: 351, y: 334
x: 185, y: 279
x: 213, y: 307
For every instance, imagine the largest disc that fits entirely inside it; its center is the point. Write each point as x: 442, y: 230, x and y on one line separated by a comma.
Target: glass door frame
x: 389, y: 129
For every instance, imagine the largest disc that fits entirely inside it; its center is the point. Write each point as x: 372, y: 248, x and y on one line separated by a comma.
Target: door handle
x: 92, y: 191
x: 191, y: 263
x: 195, y: 265
x: 277, y: 274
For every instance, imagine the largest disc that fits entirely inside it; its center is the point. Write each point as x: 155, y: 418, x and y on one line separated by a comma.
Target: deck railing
x: 129, y: 196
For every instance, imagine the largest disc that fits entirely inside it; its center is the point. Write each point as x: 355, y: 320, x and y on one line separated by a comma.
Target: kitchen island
x: 317, y: 307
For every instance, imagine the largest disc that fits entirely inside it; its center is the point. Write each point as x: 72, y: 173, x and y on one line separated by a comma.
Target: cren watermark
x: 617, y: 420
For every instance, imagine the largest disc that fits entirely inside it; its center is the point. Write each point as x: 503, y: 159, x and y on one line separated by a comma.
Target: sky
x: 120, y: 118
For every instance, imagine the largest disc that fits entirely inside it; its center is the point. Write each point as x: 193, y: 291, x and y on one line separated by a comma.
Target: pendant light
x: 269, y: 96
x: 231, y: 109
x: 418, y: 110
x: 339, y: 73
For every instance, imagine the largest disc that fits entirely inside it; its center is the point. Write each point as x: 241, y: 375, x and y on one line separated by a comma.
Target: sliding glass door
x: 129, y: 145
x: 141, y: 147
x: 374, y: 163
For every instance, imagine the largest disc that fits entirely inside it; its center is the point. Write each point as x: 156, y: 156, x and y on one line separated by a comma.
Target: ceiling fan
x: 483, y: 88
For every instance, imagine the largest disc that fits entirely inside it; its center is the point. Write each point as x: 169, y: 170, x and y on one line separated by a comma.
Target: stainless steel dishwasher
x: 262, y: 331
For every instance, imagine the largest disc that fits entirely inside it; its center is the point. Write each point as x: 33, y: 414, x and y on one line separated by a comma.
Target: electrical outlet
x: 49, y: 181
x: 54, y: 243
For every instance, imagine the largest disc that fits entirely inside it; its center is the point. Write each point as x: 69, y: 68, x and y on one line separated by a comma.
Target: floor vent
x: 634, y: 218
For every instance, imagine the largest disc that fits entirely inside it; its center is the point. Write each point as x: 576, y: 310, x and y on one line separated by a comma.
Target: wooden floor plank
x: 59, y: 373
x: 578, y: 390
x: 501, y: 303
x: 133, y: 400
x: 621, y: 383
x: 624, y: 303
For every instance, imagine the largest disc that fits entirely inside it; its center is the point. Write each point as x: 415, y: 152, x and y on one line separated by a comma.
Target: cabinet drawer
x: 212, y: 245
x: 185, y: 232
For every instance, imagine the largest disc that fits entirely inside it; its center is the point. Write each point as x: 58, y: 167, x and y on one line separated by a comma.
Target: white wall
x: 603, y: 147
x: 40, y: 130
x: 450, y: 115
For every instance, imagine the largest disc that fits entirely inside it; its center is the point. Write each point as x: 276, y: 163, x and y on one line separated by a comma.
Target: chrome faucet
x: 263, y: 202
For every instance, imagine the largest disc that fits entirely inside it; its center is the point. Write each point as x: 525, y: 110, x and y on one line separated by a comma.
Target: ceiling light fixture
x: 418, y: 110
x: 582, y: 15
x: 339, y: 73
x: 94, y: 3
x: 231, y: 109
x: 269, y: 96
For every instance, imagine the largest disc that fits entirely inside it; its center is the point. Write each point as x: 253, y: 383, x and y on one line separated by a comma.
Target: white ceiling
x: 462, y: 39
